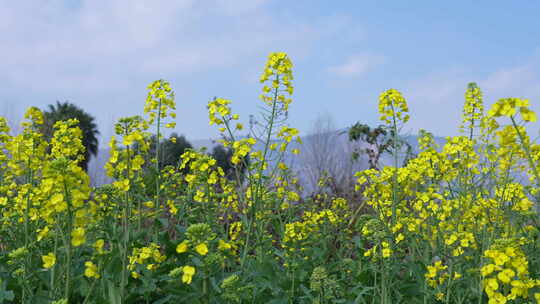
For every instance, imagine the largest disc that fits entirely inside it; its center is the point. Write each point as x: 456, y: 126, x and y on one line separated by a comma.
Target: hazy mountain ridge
x: 340, y: 152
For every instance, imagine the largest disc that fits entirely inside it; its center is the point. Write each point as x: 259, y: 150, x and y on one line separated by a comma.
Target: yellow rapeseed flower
x: 78, y: 237
x: 393, y: 105
x: 201, y: 249
x: 182, y: 247
x: 222, y: 245
x: 42, y: 233
x: 98, y: 245
x: 189, y: 272
x: 91, y: 270
x: 48, y: 260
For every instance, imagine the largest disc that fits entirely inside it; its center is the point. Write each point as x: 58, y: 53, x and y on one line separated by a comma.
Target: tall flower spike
x: 473, y: 110
x: 160, y: 102
x: 509, y: 106
x: 277, y: 73
x: 34, y: 115
x: 392, y: 106
x: 219, y: 111
x: 4, y: 138
x: 67, y: 140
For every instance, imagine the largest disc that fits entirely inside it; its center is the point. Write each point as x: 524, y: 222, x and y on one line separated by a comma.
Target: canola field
x: 454, y: 224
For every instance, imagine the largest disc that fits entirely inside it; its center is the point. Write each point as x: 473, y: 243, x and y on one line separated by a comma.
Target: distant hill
x: 331, y: 151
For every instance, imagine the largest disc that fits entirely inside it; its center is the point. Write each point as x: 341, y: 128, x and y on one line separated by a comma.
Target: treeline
x: 170, y: 148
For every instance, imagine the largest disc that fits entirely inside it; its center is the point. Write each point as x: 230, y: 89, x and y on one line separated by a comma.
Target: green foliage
x: 379, y: 140
x: 171, y: 149
x: 223, y: 157
x: 422, y: 232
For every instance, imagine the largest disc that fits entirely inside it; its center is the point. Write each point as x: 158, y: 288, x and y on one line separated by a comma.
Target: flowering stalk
x: 159, y: 104
x: 157, y: 156
x: 67, y: 293
x: 525, y: 146
x: 126, y: 229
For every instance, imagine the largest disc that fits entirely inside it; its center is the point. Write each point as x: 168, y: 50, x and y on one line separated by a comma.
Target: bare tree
x: 326, y: 154
x: 13, y: 116
x: 96, y: 166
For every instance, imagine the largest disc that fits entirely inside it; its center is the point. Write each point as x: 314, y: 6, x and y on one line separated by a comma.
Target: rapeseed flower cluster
x: 473, y: 110
x: 189, y: 272
x: 506, y: 273
x: 49, y: 260
x: 510, y: 106
x: 160, y: 102
x: 436, y: 274
x: 439, y: 204
x: 450, y: 224
x: 149, y: 257
x: 299, y: 235
x: 126, y: 161
x: 277, y: 79
x: 220, y: 106
x: 393, y: 107
x: 91, y: 270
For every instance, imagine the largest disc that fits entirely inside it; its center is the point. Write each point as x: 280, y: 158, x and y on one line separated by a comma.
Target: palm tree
x: 171, y: 150
x: 66, y: 110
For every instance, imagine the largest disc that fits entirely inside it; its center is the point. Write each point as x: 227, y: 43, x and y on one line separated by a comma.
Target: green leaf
x: 360, y: 295
x: 5, y: 295
x: 114, y: 293
x: 163, y: 300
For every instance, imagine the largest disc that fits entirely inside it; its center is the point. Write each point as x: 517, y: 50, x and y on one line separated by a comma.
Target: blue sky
x: 101, y: 55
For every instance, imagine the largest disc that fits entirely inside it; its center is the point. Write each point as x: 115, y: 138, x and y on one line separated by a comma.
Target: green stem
x: 125, y: 226
x: 206, y: 294
x: 69, y: 246
x: 52, y: 277
x: 395, y: 176
x: 158, y: 177
x: 27, y: 230
x: 527, y: 150
x: 450, y: 280
x: 90, y: 291
x: 256, y: 197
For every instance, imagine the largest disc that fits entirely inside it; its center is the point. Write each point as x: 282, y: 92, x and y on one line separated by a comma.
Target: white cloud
x: 436, y: 100
x: 101, y: 54
x: 236, y: 7
x: 357, y: 65
x: 100, y: 42
x: 520, y: 81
